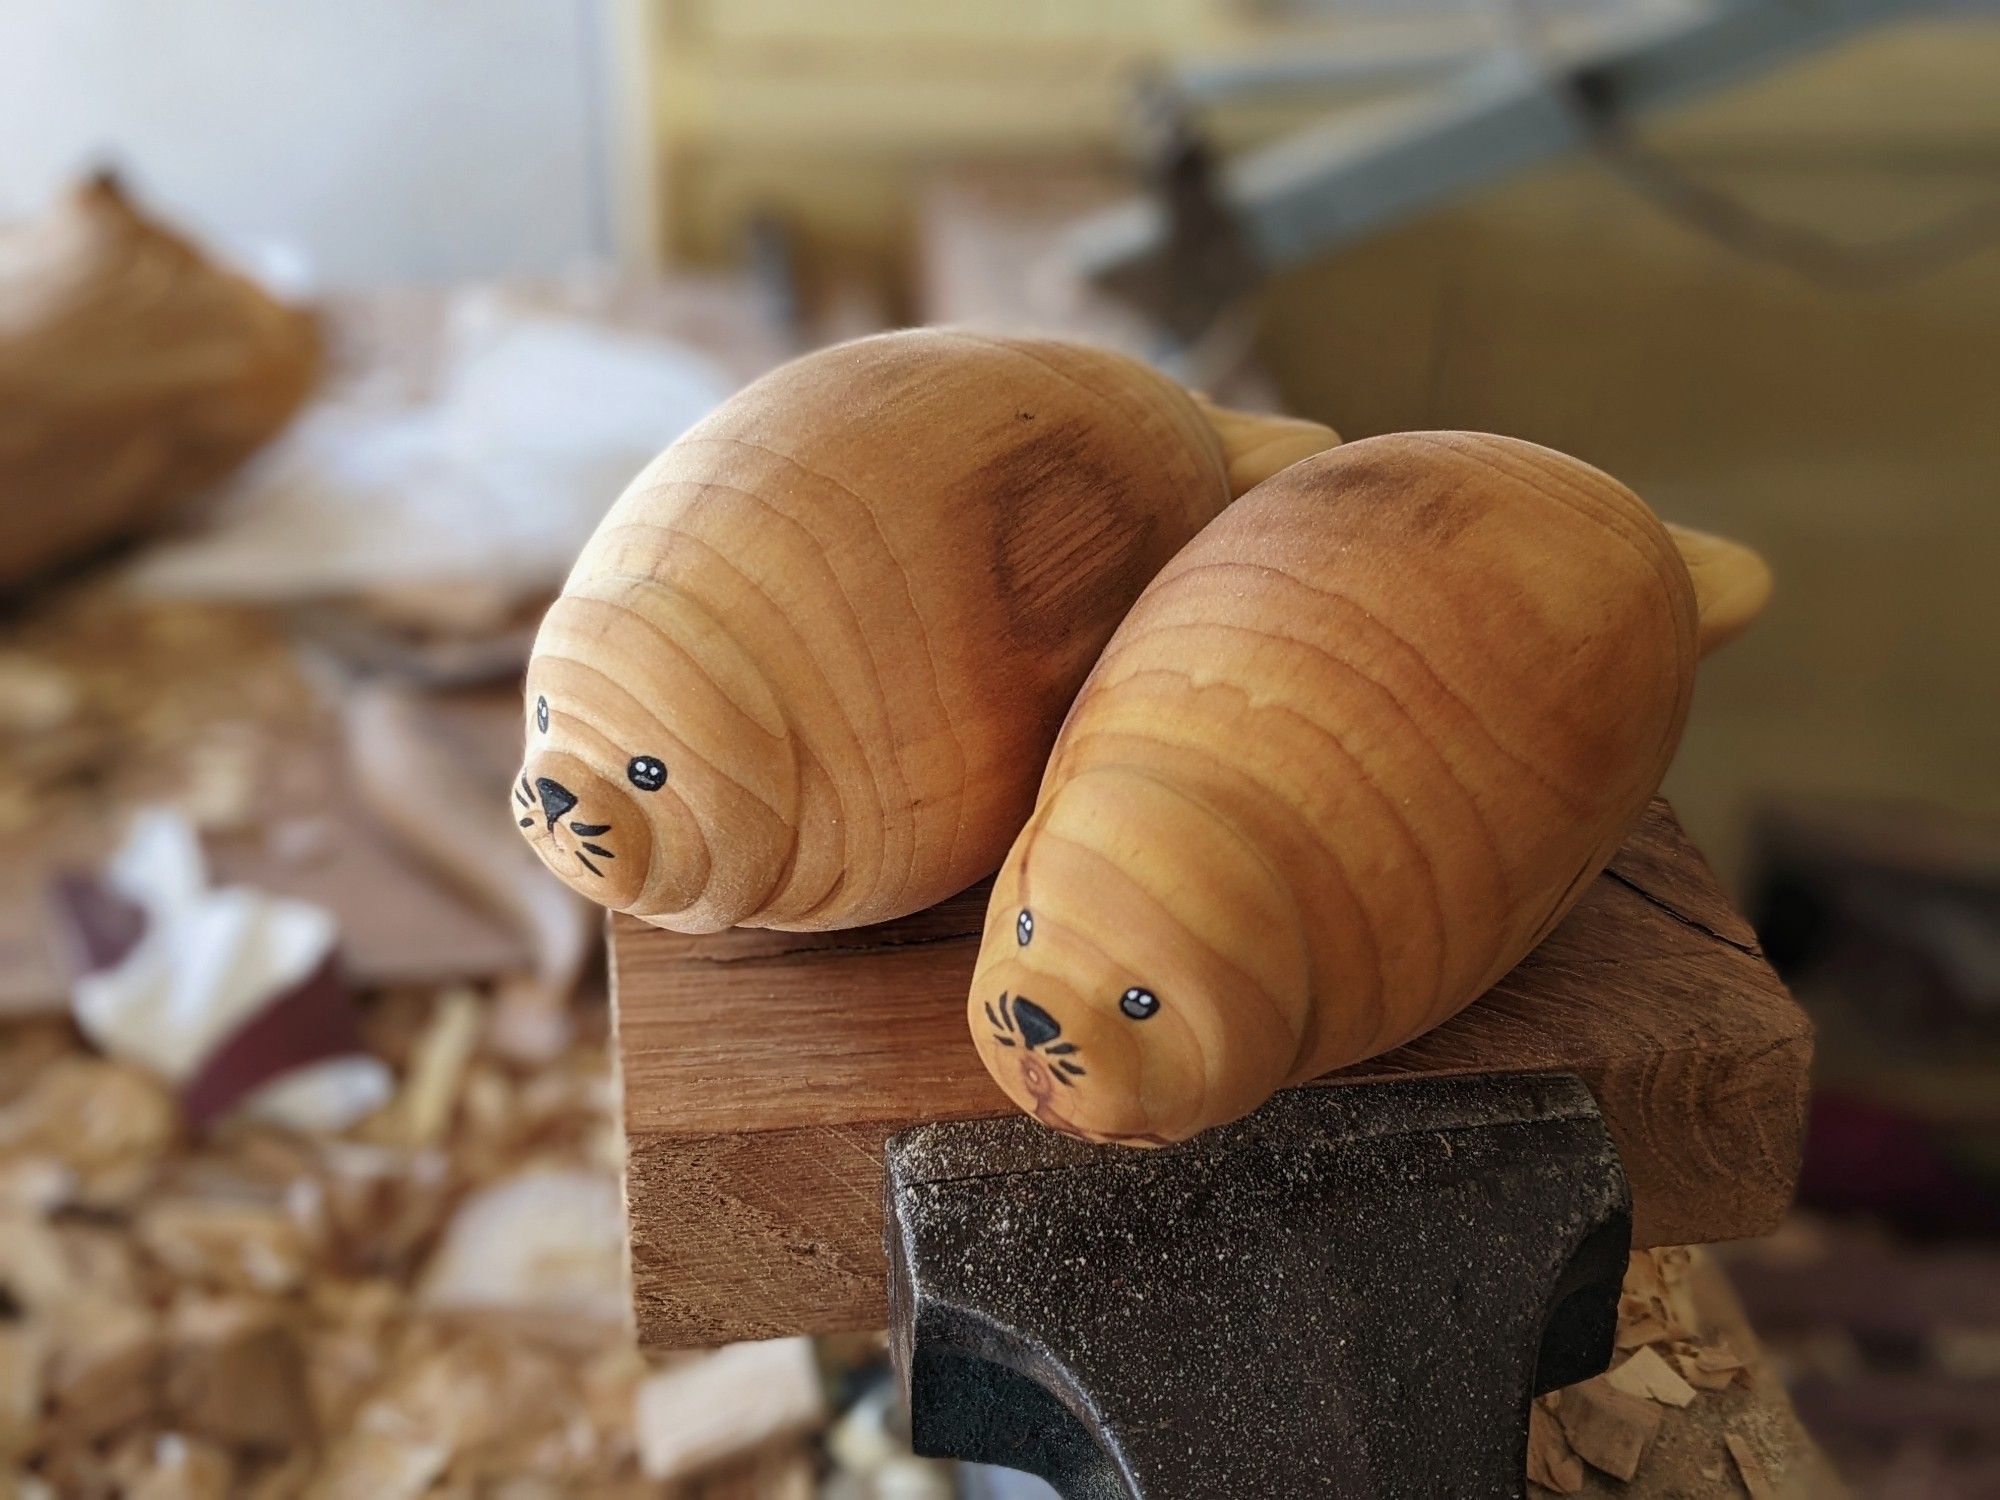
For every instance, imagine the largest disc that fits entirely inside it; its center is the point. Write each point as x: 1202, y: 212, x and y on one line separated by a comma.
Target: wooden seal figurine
x: 807, y: 672
x: 1352, y: 754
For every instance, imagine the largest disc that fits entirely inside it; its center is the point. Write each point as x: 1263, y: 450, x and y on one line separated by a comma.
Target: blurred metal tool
x: 771, y: 258
x: 1309, y: 193
x: 1205, y: 268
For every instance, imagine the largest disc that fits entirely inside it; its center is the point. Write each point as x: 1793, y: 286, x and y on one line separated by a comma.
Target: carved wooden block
x: 807, y: 672
x: 764, y: 1070
x: 1354, y: 752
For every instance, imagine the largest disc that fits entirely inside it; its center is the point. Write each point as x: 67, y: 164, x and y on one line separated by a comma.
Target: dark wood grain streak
x: 764, y: 1070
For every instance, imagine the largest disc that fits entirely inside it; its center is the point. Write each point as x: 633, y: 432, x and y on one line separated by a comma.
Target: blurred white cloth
x: 546, y: 1240
x: 538, y: 424
x: 208, y: 961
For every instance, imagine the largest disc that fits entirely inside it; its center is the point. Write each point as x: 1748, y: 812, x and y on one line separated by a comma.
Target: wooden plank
x: 763, y: 1071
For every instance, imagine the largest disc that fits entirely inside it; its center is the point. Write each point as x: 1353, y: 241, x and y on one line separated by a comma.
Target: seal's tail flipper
x: 1256, y: 445
x: 1732, y: 584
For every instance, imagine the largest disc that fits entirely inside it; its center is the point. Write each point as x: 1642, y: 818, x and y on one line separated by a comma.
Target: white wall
x: 388, y: 139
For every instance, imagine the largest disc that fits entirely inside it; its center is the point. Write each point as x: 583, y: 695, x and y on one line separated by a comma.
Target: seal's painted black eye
x: 1138, y: 1003
x: 1024, y: 927
x: 542, y: 715
x: 646, y: 773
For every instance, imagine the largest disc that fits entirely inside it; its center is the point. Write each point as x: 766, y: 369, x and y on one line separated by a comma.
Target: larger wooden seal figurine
x: 807, y: 672
x: 1353, y: 754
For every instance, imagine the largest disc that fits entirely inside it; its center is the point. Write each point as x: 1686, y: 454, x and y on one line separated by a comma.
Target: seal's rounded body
x: 1351, y: 755
x: 807, y: 672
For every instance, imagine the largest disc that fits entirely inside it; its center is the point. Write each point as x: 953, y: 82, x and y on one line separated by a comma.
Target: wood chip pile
x: 1685, y: 1408
x: 429, y: 1304
x: 104, y: 706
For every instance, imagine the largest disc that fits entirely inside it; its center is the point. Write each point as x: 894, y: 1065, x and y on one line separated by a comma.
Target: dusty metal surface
x: 1352, y: 1292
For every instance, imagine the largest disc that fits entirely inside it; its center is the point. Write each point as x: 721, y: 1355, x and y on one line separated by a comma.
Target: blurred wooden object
x: 763, y: 1071
x: 134, y: 371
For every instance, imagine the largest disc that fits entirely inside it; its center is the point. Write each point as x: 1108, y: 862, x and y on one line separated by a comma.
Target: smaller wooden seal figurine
x: 1352, y: 755
x: 807, y: 672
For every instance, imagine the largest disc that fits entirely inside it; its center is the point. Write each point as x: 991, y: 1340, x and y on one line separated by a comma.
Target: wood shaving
x: 409, y: 772
x: 547, y: 1242
x: 1647, y: 1375
x: 105, y: 1368
x: 228, y: 1246
x: 1646, y: 1329
x: 24, y: 1357
x: 1551, y: 1462
x: 36, y: 698
x: 183, y: 1468
x: 1712, y: 1369
x: 705, y: 1411
x: 108, y: 1127
x: 188, y: 703
x: 1622, y: 1425
x: 1655, y: 1305
x: 530, y: 1023
x: 1756, y: 1480
x: 238, y: 1375
x: 438, y: 1068
x: 1608, y: 1429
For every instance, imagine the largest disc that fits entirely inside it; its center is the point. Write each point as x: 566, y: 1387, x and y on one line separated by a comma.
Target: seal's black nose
x: 557, y: 799
x: 1036, y: 1024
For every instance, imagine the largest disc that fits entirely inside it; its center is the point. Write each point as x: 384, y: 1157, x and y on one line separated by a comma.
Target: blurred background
x: 328, y: 330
